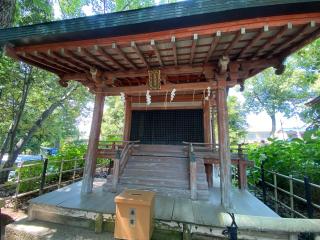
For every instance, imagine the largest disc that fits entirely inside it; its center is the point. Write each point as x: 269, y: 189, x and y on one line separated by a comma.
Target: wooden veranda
x: 172, y: 57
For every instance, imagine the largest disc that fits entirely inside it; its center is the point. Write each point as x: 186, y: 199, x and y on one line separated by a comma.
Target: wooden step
x: 161, y: 173
x: 171, y: 183
x: 163, y: 191
x: 136, y: 152
x: 147, y: 158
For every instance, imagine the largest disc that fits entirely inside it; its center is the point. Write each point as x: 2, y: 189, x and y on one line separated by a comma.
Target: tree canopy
x: 285, y: 93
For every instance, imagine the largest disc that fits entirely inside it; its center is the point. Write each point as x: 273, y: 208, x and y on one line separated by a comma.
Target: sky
x: 256, y: 122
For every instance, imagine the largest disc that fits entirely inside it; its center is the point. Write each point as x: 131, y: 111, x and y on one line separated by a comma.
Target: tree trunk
x: 274, y: 124
x: 11, y: 135
x: 7, y: 8
x: 26, y: 138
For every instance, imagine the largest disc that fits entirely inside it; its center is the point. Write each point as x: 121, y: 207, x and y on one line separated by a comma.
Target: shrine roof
x: 192, y: 43
x: 158, y: 18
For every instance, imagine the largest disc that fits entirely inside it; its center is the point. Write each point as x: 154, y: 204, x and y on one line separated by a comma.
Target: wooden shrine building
x: 172, y: 65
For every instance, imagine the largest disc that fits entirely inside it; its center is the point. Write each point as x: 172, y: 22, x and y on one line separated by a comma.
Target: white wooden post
x: 224, y: 147
x: 91, y: 156
x: 116, y: 170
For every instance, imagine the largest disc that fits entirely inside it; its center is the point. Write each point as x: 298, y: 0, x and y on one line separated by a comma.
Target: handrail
x: 123, y: 141
x: 120, y: 162
x: 199, y: 143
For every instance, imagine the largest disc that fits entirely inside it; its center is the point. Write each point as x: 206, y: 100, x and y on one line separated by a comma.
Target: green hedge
x: 299, y: 157
x: 68, y: 151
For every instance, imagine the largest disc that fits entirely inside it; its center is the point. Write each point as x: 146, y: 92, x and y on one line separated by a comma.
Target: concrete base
x: 36, y: 230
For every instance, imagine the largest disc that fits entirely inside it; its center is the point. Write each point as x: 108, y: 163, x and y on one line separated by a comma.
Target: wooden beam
x: 114, y: 91
x: 139, y: 53
x: 174, y: 50
x: 156, y: 51
x: 246, y: 66
x: 178, y: 98
x: 122, y: 54
x: 253, y: 41
x: 193, y: 47
x: 224, y: 147
x: 106, y: 55
x: 213, y: 46
x: 183, y: 69
x: 91, y: 156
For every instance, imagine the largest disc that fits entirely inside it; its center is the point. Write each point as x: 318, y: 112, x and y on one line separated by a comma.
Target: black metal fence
x: 285, y: 194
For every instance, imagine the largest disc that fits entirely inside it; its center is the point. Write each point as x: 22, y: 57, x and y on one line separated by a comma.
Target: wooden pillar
x: 224, y: 147
x: 206, y: 122
x: 91, y: 156
x: 207, y: 138
x: 127, y: 120
x: 213, y: 133
x: 209, y: 170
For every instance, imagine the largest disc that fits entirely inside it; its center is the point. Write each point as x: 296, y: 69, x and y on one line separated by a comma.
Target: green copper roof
x: 164, y: 17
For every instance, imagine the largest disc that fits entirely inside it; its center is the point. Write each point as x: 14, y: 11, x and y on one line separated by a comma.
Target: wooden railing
x: 210, y: 154
x: 120, y: 161
x: 286, y: 197
x: 107, y: 149
x: 47, y: 175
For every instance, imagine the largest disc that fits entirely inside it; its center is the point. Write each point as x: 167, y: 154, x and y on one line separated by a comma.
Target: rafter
x: 213, y: 46
x: 156, y: 51
x: 302, y: 31
x: 123, y: 55
x: 139, y: 53
x: 253, y: 41
x: 60, y: 58
x: 106, y: 55
x: 193, y: 47
x: 46, y: 58
x: 41, y: 61
x: 74, y: 58
x: 174, y: 50
x: 271, y: 41
x: 310, y: 37
x: 94, y: 59
x: 234, y: 41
